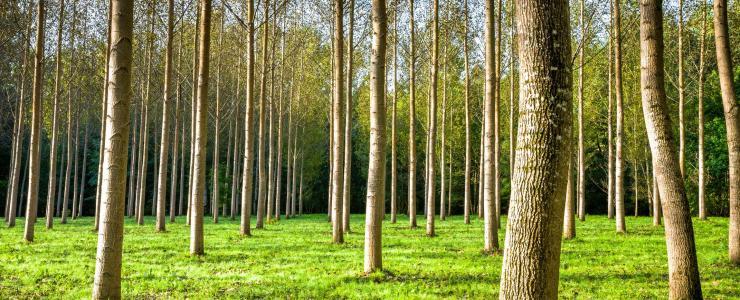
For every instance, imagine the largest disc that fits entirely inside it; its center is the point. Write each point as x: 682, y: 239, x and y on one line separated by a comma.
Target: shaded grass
x: 296, y: 259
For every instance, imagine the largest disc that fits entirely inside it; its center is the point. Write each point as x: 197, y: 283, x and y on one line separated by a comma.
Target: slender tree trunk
x: 683, y: 271
x: 700, y: 112
x: 609, y: 126
x: 247, y: 184
x: 512, y: 102
x: 143, y: 162
x: 681, y: 101
x: 569, y: 221
x: 165, y: 134
x: 34, y: 158
x: 657, y: 210
x: 732, y: 122
x: 176, y: 134
x: 394, y: 118
x: 442, y: 181
x: 71, y: 154
x: 347, y: 172
x: 281, y: 116
x: 293, y: 199
x: 75, y: 179
x: 201, y: 131
x: 107, y: 282
x: 289, y: 167
x: 532, y: 254
x: 338, y: 124
x: 376, y: 168
x: 432, y: 130
x: 496, y: 119
x: 193, y: 98
x: 619, y: 166
x: 262, y: 175
x: 83, y: 180
x: 217, y: 130
x: 412, y: 119
x: 52, y: 186
x: 300, y: 190
x: 481, y: 163
x: 132, y: 182
x: 490, y: 227
x: 581, y: 149
x: 468, y: 130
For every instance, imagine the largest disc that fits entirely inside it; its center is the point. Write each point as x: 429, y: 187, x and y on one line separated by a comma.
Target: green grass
x: 295, y: 259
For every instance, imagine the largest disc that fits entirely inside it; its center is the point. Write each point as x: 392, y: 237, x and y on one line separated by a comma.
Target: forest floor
x: 296, y: 259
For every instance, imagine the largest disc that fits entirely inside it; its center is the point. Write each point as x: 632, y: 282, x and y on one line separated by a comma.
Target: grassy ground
x: 295, y: 259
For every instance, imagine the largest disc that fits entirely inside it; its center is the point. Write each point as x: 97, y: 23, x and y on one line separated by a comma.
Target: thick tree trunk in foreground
x: 683, y: 271
x: 247, y: 182
x: 34, y: 159
x: 732, y: 122
x: 107, y: 282
x: 52, y: 186
x: 201, y: 132
x: 376, y: 167
x: 532, y: 252
x: 338, y: 124
x: 490, y: 227
x: 165, y: 135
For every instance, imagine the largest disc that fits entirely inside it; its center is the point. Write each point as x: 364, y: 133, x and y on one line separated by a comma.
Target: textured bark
x: 412, y: 120
x: 104, y: 115
x: 247, y: 184
x: 467, y: 206
x: 619, y: 159
x: 432, y: 129
x: 107, y: 282
x: 52, y: 186
x: 337, y: 124
x: 34, y: 159
x: 700, y: 111
x: 164, y: 141
x: 490, y: 226
x: 376, y: 168
x: 532, y: 252
x: 262, y: 162
x: 683, y: 271
x: 732, y: 123
x: 347, y: 172
x: 201, y: 131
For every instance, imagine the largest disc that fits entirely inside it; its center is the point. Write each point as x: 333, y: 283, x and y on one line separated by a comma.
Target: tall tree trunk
x: 107, y: 282
x: 532, y: 254
x: 176, y: 134
x: 347, y: 172
x: 12, y: 202
x: 490, y: 227
x: 217, y: 130
x: 164, y: 146
x: 443, y: 142
x: 338, y: 124
x: 75, y: 179
x: 247, y: 184
x: 496, y: 119
x: 70, y: 141
x: 52, y: 186
x: 132, y: 187
x: 468, y: 151
x: 609, y: 126
x: 376, y: 168
x: 394, y: 117
x: 193, y: 97
x: 201, y: 131
x: 732, y: 122
x: 681, y: 122
x: 619, y: 166
x: 512, y: 102
x: 144, y: 140
x: 432, y: 130
x: 262, y: 175
x: 569, y: 221
x: 412, y: 119
x: 581, y: 156
x: 683, y: 271
x: 34, y: 159
x: 700, y: 111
